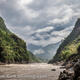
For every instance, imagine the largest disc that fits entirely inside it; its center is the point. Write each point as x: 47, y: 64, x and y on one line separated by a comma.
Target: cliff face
x: 12, y: 48
x: 69, y: 45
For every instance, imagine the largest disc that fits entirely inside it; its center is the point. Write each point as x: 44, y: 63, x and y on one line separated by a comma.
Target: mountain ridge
x: 47, y: 52
x: 12, y: 48
x: 69, y: 45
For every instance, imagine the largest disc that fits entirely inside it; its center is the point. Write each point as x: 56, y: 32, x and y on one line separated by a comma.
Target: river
x: 35, y: 71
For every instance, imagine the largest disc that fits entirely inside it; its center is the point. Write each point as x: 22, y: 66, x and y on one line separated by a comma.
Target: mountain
x: 33, y: 58
x: 45, y: 53
x: 12, y: 48
x: 69, y: 46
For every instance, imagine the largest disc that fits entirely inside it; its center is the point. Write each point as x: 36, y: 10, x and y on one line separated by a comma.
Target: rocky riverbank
x: 72, y: 73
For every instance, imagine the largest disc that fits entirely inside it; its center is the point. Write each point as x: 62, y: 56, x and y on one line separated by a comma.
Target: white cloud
x: 57, y: 36
x: 28, y: 13
x: 46, y: 29
x: 39, y: 51
x: 63, y: 33
x: 25, y: 2
x: 66, y: 14
x: 43, y: 42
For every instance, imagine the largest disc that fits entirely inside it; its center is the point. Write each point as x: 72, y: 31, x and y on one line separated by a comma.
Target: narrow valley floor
x: 36, y: 71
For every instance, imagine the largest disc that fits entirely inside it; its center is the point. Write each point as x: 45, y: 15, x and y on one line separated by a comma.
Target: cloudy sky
x: 40, y: 22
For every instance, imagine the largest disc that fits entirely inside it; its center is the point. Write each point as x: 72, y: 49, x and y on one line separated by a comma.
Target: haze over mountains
x: 45, y: 53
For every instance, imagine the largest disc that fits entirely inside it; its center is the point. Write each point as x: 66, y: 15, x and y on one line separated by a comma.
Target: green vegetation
x: 69, y: 45
x: 13, y: 48
x: 33, y: 58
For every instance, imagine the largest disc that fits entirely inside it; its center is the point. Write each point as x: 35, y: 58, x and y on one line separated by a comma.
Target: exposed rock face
x: 73, y: 68
x: 66, y: 75
x: 77, y: 71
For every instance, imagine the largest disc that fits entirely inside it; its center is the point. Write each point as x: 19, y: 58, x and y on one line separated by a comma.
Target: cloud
x: 63, y: 33
x: 66, y: 13
x: 2, y: 1
x: 25, y: 2
x: 46, y: 29
x: 40, y: 22
x: 29, y: 13
x: 39, y: 51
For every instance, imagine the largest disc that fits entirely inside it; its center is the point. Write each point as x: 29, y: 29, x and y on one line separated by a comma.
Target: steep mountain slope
x: 45, y: 53
x: 12, y: 48
x: 69, y: 45
x: 33, y: 58
x: 49, y: 51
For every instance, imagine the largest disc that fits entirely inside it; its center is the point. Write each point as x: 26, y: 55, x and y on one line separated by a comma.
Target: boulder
x: 65, y: 75
x: 77, y: 71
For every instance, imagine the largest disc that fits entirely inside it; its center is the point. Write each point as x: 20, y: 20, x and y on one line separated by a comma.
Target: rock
x: 77, y: 71
x: 78, y: 78
x: 65, y: 75
x: 62, y: 67
x: 53, y: 70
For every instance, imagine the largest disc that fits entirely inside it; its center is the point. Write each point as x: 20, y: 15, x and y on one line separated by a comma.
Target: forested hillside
x: 12, y: 48
x: 69, y: 45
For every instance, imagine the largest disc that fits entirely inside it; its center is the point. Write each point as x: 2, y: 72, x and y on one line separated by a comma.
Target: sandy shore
x: 41, y: 71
